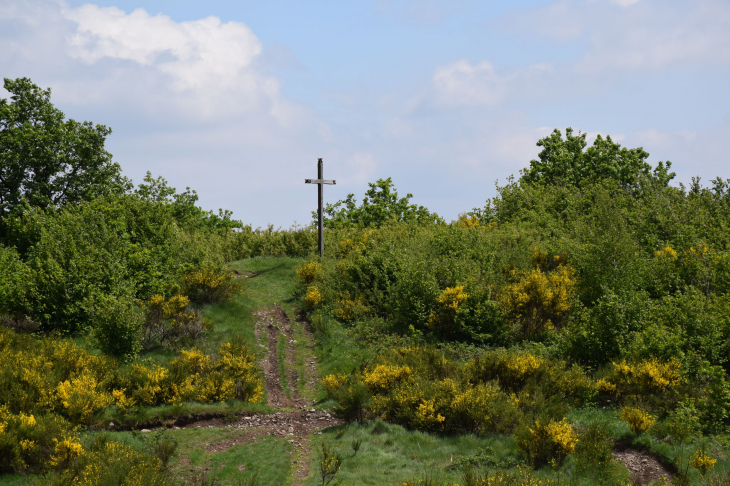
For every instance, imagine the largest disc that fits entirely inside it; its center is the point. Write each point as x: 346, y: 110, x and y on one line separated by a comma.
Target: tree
x: 46, y: 160
x: 563, y: 161
x: 380, y: 204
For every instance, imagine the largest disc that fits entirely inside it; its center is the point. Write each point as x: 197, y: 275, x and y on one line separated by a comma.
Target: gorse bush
x: 56, y: 376
x: 543, y: 442
x: 421, y: 388
x: 105, y: 461
x: 209, y: 285
x: 30, y: 443
x: 171, y: 322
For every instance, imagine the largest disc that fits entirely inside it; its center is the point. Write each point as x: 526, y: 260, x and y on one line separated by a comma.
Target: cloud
x: 203, y: 70
x: 650, y: 35
x: 464, y: 84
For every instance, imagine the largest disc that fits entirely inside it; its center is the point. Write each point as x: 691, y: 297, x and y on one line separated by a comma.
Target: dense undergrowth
x: 549, y: 299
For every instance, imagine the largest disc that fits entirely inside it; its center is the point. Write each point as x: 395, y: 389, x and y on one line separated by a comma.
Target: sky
x: 237, y: 100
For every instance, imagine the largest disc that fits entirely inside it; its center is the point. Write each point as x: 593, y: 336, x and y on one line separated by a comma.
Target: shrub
x: 110, y: 462
x: 171, y: 322
x: 639, y: 421
x: 593, y: 451
x: 642, y: 378
x: 209, y: 285
x: 313, y: 298
x: 546, y: 442
x: 539, y: 301
x: 34, y: 444
x: 309, y: 272
x: 117, y: 324
x: 82, y: 397
x: 329, y: 464
x: 702, y: 462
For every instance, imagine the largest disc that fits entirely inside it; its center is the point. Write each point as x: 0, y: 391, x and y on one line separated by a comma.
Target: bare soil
x: 645, y: 468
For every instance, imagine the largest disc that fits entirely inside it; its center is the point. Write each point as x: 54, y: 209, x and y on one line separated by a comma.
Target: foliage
x: 379, y: 205
x: 108, y: 462
x: 638, y: 420
x: 171, y: 322
x: 117, y: 323
x: 30, y: 443
x: 329, y: 464
x: 421, y: 388
x: 209, y: 285
x: 544, y: 442
x: 56, y: 376
x: 565, y: 161
x: 702, y: 462
x: 46, y: 160
x: 539, y: 302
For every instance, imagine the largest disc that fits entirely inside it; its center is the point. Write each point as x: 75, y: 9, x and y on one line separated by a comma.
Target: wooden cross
x: 320, y: 197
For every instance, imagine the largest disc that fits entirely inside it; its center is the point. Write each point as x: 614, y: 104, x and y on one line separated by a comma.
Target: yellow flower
x: 667, y: 252
x: 639, y: 421
x: 65, y: 451
x: 313, y: 297
x: 311, y: 271
x: 702, y: 462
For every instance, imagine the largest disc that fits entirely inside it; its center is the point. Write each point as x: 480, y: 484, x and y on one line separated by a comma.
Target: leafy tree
x: 564, y: 160
x: 47, y: 160
x: 182, y: 205
x: 380, y: 205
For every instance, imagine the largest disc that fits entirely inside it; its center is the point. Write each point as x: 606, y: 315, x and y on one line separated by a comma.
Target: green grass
x: 390, y: 454
x: 269, y: 457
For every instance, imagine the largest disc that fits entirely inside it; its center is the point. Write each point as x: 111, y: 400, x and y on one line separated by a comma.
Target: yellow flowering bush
x: 546, y: 442
x: 639, y: 420
x: 309, y: 272
x: 539, y: 301
x: 209, y: 285
x: 642, y: 378
x: 313, y: 298
x: 468, y: 221
x: 426, y: 417
x: 450, y: 302
x: 382, y: 378
x: 348, y: 309
x: 332, y: 383
x: 65, y: 451
x: 702, y: 462
x: 170, y: 322
x: 82, y: 397
x: 28, y: 442
x: 107, y: 461
x: 207, y: 379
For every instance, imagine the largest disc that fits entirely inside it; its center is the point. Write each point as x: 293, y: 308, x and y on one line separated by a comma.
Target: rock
x: 145, y: 430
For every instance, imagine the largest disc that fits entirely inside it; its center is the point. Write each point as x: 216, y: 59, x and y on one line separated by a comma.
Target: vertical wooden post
x: 320, y: 200
x: 320, y: 203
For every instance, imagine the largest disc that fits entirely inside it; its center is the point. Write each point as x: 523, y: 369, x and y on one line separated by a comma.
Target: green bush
x: 117, y: 324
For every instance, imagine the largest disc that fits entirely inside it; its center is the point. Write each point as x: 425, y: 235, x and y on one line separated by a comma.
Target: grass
x: 390, y: 454
x: 269, y: 457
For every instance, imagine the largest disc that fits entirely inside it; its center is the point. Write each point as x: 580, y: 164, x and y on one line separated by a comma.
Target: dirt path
x: 298, y: 424
x: 643, y: 466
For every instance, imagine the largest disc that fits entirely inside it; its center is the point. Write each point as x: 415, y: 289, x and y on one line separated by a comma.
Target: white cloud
x: 464, y: 84
x: 651, y: 35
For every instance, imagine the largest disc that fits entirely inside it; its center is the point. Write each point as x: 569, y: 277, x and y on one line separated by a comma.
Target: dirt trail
x: 643, y: 466
x: 303, y: 421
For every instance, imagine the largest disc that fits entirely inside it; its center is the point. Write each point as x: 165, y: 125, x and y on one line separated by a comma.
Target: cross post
x: 320, y: 181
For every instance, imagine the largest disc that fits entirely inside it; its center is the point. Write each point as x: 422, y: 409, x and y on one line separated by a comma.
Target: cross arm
x: 319, y: 181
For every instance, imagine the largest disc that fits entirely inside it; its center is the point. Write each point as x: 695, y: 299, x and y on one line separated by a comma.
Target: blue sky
x: 238, y: 99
